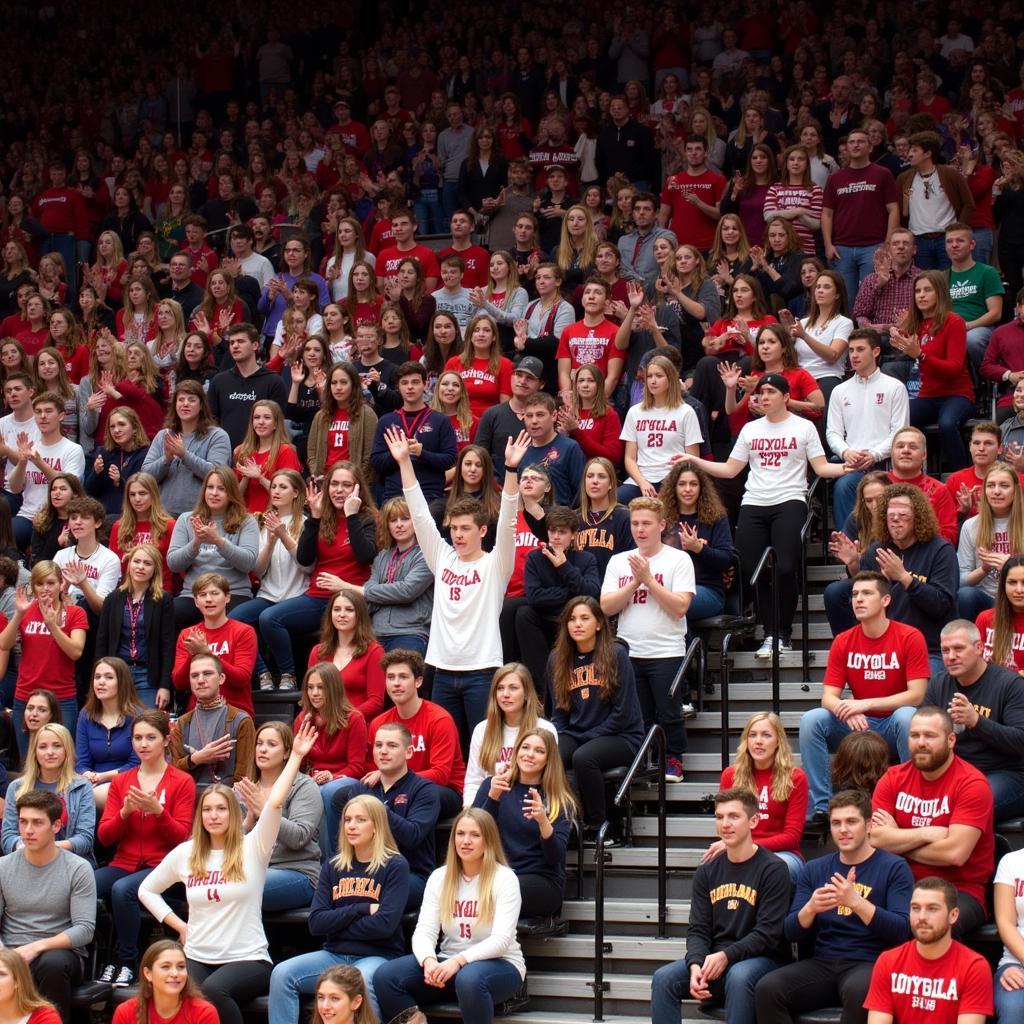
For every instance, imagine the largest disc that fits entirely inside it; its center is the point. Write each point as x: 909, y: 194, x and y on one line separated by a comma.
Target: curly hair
x: 926, y: 525
x: 709, y: 506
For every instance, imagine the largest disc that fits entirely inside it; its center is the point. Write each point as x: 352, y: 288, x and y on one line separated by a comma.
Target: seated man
x: 932, y: 973
x: 909, y: 457
x: 920, y: 565
x: 234, y: 643
x: 737, y: 911
x: 986, y: 703
x: 885, y: 665
x: 936, y: 810
x: 853, y: 905
x: 47, y: 901
x: 413, y: 803
x: 965, y: 484
x: 436, y: 755
x: 214, y: 741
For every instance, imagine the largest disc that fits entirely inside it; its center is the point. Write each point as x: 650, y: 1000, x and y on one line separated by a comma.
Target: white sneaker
x: 266, y: 681
x: 764, y: 652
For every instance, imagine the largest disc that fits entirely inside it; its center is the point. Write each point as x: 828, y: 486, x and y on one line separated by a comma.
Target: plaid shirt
x: 883, y: 307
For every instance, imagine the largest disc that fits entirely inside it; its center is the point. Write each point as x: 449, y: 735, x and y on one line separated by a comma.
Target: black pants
x: 542, y: 897
x: 507, y: 627
x: 589, y: 760
x: 776, y: 526
x: 1011, y: 262
x: 55, y: 973
x: 535, y: 633
x: 231, y: 986
x: 814, y: 984
x: 972, y: 915
x: 708, y: 388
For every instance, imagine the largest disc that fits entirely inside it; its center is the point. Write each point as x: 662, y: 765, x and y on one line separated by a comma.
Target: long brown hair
x: 26, y: 996
x: 334, y: 715
x: 943, y: 306
x: 606, y: 663
x: 718, y: 246
x: 554, y: 786
x: 128, y: 702
x: 204, y: 421
x: 251, y: 443
x: 867, y: 521
x: 489, y: 498
x: 144, y: 997
x: 839, y: 307
x: 159, y: 520
x: 352, y: 983
x: 328, y: 513
x: 43, y: 519
x: 1002, y: 621
x: 468, y: 354
x: 236, y: 512
x: 233, y: 868
x: 783, y: 336
x: 362, y: 635
x: 600, y: 399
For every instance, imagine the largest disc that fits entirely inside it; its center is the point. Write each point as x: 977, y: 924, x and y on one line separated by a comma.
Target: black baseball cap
x: 775, y: 380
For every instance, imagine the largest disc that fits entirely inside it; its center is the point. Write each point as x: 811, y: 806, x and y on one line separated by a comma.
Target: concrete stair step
x: 623, y: 911
x: 623, y: 947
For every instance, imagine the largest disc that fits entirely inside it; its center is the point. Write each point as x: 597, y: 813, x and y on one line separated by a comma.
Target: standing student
x: 591, y: 340
x: 471, y: 904
x: 777, y: 448
x: 650, y: 589
x: 148, y: 812
x: 469, y: 585
x: 357, y: 908
x: 166, y: 992
x: 224, y: 872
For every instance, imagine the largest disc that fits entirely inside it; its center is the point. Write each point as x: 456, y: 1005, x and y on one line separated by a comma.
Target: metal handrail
x: 724, y: 681
x: 770, y: 559
x: 655, y: 736
x: 805, y: 613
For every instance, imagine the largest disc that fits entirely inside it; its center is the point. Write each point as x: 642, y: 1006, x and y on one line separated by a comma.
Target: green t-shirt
x: 969, y: 289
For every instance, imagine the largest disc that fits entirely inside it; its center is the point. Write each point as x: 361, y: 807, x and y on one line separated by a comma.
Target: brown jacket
x: 954, y: 185
x: 360, y: 441
x: 245, y: 747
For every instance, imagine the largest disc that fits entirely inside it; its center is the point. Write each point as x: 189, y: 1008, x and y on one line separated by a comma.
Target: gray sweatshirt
x: 181, y: 479
x: 298, y: 845
x: 403, y: 606
x: 234, y: 560
x: 40, y: 902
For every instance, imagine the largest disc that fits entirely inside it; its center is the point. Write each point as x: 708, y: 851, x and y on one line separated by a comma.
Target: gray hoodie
x: 181, y: 479
x: 234, y: 560
x: 402, y: 607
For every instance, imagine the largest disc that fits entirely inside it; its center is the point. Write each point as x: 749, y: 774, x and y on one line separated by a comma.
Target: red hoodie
x: 235, y: 644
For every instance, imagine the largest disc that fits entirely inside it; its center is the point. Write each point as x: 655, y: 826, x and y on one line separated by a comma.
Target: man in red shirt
x: 909, y: 455
x: 885, y: 664
x: 403, y: 225
x: 353, y: 134
x: 933, y: 977
x: 965, y: 485
x: 204, y: 259
x: 435, y: 738
x: 690, y: 199
x: 936, y: 810
x: 476, y: 258
x: 591, y: 340
x: 62, y: 211
x: 234, y: 643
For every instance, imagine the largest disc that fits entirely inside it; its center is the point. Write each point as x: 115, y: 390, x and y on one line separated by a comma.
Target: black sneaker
x: 817, y: 823
x: 108, y: 974
x: 125, y: 978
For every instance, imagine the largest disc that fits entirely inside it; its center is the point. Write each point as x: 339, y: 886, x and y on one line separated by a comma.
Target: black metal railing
x: 805, y: 533
x: 656, y: 737
x: 770, y: 561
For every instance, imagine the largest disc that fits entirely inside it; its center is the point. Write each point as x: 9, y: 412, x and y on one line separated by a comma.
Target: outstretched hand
x: 515, y: 449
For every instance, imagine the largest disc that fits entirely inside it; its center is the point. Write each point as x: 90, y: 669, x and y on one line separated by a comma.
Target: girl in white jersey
x: 777, y: 448
x: 472, y: 905
x: 224, y: 872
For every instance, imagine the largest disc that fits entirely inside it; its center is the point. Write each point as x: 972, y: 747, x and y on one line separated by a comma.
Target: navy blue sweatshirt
x: 884, y: 879
x: 440, y: 450
x: 602, y: 539
x: 715, y: 558
x: 527, y: 853
x: 340, y: 911
x: 588, y: 715
x: 413, y: 804
x: 548, y: 587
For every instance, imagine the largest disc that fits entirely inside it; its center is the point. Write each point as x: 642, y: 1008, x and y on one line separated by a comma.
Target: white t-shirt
x: 102, y: 569
x: 259, y: 267
x: 837, y: 327
x: 10, y: 428
x: 65, y: 457
x: 778, y: 455
x: 1010, y: 871
x: 314, y: 325
x: 339, y: 286
x: 284, y: 578
x: 476, y: 772
x: 659, y: 434
x: 648, y: 629
x: 457, y: 304
x: 225, y: 920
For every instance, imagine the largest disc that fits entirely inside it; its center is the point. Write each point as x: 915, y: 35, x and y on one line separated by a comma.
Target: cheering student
x: 166, y: 992
x: 344, y: 427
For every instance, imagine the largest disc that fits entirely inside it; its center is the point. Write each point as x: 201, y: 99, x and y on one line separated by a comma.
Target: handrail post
x: 662, y: 837
x: 776, y: 615
x: 724, y: 675
x: 599, y: 982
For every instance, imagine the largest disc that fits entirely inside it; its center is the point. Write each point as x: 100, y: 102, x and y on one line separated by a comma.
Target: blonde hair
x: 462, y: 413
x: 494, y: 854
x: 494, y: 723
x: 383, y: 846
x: 26, y: 996
x: 233, y: 869
x: 159, y: 520
x: 782, y: 765
x: 67, y: 769
x: 987, y: 521
x: 298, y: 502
x: 554, y: 786
x: 251, y: 443
x: 674, y: 394
x: 587, y: 250
x: 156, y: 584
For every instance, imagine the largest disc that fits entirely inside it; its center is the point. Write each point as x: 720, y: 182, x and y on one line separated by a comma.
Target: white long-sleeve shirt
x: 468, y: 596
x: 225, y: 919
x: 477, y: 772
x: 864, y: 413
x: 464, y: 935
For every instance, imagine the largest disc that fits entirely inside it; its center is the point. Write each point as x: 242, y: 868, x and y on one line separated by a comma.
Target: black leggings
x: 708, y: 388
x: 776, y: 526
x: 589, y: 760
x: 542, y: 896
x: 230, y: 986
x: 535, y: 635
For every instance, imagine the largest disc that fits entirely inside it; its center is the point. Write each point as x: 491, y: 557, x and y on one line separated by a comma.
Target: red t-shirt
x: 877, y: 667
x: 965, y: 478
x: 193, y: 1011
x: 582, y: 344
x: 344, y: 753
x: 724, y: 326
x: 780, y: 824
x: 44, y: 666
x: 599, y: 435
x: 478, y: 264
x: 960, y: 796
x: 463, y: 438
x: 257, y: 497
x: 337, y: 439
x: 337, y: 558
x: 235, y: 644
x: 915, y: 990
x: 435, y: 744
x: 363, y: 678
x: 33, y: 342
x: 526, y: 541
x: 986, y: 626
x: 858, y: 200
x: 801, y: 386
x: 689, y: 222
x: 485, y: 388
x: 144, y: 535
x: 76, y: 364
x: 388, y: 260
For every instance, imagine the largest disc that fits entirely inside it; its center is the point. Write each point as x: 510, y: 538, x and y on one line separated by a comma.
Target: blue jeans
x: 449, y: 199
x: 977, y: 342
x: 821, y: 733
x: 950, y: 413
x: 331, y: 822
x: 120, y: 889
x: 295, y: 616
x: 734, y: 989
x: 931, y: 253
x: 286, y: 890
x: 69, y: 714
x: 1007, y: 793
x: 844, y: 497
x: 629, y: 490
x: 653, y: 678
x: 297, y: 977
x: 67, y: 248
x: 972, y: 601
x: 429, y: 213
x: 464, y: 696
x: 249, y: 612
x: 477, y: 987
x: 706, y: 603
x: 792, y: 861
x: 404, y: 642
x: 140, y: 677
x: 983, y: 245
x: 1009, y: 1005
x: 855, y: 263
